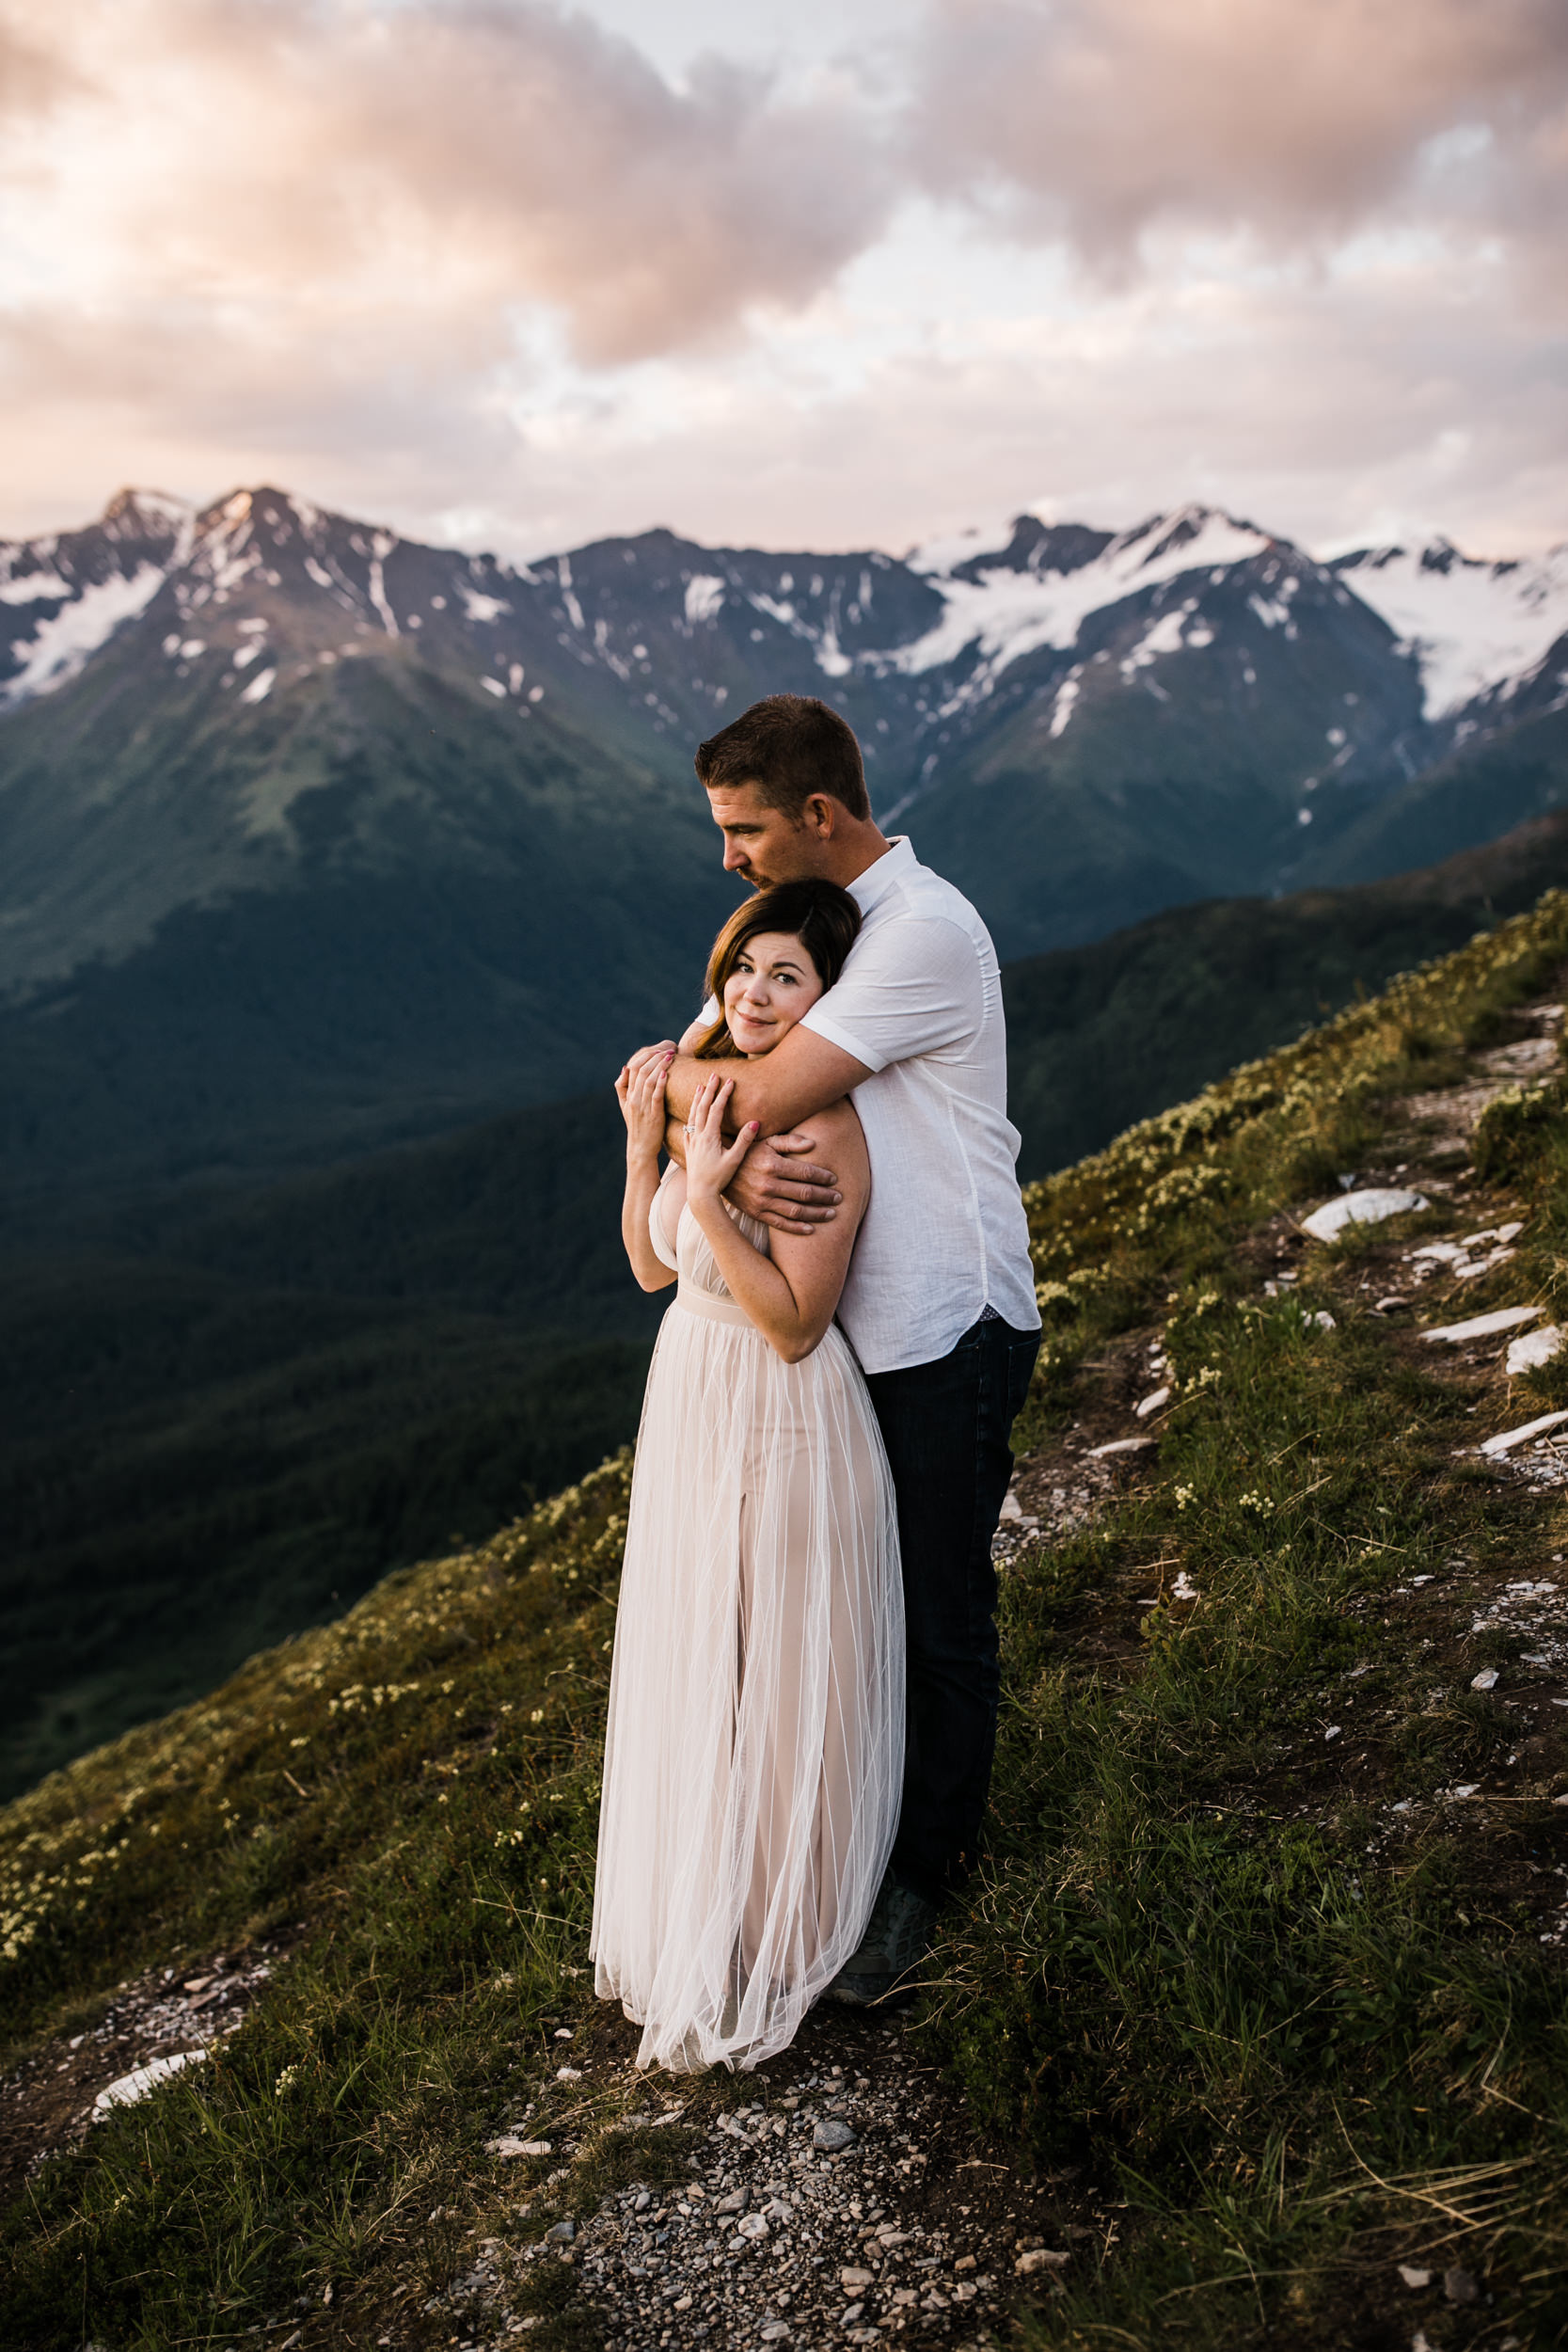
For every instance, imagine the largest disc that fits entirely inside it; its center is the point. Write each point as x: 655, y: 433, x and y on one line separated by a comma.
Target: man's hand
x: 780, y: 1186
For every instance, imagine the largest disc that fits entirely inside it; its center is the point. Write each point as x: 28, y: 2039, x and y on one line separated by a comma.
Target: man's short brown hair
x: 789, y: 746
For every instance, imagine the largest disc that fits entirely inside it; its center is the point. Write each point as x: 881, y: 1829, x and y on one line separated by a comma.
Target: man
x: 939, y: 1303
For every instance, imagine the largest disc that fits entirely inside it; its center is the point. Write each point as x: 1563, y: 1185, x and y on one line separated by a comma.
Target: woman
x: 754, y: 1748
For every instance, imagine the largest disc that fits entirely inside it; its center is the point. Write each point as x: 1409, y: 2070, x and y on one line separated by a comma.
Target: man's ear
x: 819, y: 815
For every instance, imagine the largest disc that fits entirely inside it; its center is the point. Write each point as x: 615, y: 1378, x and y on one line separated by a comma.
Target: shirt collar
x: 870, y: 889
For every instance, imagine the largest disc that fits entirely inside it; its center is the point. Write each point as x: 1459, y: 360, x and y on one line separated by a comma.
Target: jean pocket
x: 1022, y: 1357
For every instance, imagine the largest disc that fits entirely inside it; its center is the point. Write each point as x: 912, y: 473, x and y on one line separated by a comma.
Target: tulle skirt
x: 756, y: 1741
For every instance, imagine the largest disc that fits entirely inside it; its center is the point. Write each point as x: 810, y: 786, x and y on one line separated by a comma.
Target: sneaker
x: 897, y: 1938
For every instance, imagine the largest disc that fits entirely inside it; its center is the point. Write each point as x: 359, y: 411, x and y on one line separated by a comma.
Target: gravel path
x: 845, y: 2201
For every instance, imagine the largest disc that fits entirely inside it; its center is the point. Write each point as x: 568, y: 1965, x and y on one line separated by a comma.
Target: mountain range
x: 314, y: 839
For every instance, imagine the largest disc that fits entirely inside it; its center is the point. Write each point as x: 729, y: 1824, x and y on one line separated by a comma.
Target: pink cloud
x: 460, y: 156
x: 1296, y: 118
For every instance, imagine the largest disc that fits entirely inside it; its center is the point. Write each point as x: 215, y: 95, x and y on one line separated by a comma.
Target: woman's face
x: 773, y: 983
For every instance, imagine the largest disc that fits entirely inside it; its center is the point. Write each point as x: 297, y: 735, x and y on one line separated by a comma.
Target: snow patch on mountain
x: 35, y: 588
x: 377, y: 590
x: 1067, y: 695
x: 951, y: 549
x: 151, y: 511
x: 1471, y: 625
x: 1163, y: 635
x: 479, y: 607
x: 1007, y: 613
x: 61, y: 645
x: 704, y: 598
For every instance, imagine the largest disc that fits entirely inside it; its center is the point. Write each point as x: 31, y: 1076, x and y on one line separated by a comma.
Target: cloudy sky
x: 827, y: 272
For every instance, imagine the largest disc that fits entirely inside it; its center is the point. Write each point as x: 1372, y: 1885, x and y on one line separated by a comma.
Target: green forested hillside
x: 1466, y: 798
x: 1266, y: 1949
x: 1099, y: 1036
x: 407, y: 909
x: 224, y: 1417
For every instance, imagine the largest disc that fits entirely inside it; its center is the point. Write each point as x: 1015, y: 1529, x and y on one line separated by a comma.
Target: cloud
x: 475, y: 266
x: 317, y: 166
x: 30, y: 77
x: 1297, y: 120
x: 1368, y: 408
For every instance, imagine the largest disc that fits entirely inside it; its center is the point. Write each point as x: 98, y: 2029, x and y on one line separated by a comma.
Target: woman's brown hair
x: 819, y: 915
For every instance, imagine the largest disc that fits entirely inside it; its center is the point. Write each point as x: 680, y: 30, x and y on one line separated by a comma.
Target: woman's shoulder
x: 840, y: 1120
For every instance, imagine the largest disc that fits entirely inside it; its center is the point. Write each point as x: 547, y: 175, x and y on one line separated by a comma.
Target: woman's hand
x: 709, y: 1162
x: 639, y: 1089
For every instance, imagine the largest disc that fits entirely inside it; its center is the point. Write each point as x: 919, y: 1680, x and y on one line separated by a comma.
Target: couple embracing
x: 804, y: 1694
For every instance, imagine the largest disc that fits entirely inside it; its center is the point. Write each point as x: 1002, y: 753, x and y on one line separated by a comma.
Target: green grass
x: 1189, y: 1953
x: 421, y: 1779
x: 1195, y: 1960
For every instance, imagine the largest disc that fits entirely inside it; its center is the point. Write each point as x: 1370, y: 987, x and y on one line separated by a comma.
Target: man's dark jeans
x: 946, y: 1427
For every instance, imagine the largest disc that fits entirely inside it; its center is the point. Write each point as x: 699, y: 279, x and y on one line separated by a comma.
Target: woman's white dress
x: 755, y: 1742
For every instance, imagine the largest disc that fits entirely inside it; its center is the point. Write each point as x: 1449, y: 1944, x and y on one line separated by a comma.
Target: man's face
x: 763, y: 844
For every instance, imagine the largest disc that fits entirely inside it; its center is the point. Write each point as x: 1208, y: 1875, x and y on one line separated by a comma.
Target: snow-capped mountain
x: 1475, y: 630
x: 63, y: 597
x: 271, y: 755
x: 929, y: 641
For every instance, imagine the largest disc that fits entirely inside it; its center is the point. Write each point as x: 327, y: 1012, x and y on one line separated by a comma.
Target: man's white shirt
x: 944, y: 1235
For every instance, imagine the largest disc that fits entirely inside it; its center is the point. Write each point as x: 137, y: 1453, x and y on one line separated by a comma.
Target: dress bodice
x: 688, y: 1253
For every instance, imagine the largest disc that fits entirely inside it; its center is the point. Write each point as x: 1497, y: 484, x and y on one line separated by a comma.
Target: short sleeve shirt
x: 944, y: 1236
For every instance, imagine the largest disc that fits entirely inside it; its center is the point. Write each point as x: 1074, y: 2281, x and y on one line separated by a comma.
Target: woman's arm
x: 792, y: 1297
x: 641, y: 1092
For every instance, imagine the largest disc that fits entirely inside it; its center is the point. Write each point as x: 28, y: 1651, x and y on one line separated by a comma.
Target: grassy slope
x: 1188, y: 1961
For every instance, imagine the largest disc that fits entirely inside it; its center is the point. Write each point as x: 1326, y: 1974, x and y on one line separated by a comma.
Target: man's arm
x: 802, y: 1076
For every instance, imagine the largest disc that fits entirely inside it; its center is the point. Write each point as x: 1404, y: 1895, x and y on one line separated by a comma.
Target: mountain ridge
x: 945, y: 655
x: 312, y: 836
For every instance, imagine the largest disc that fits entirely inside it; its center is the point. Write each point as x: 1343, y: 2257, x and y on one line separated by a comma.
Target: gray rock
x: 562, y: 2234
x: 1460, y: 2286
x: 831, y: 2136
